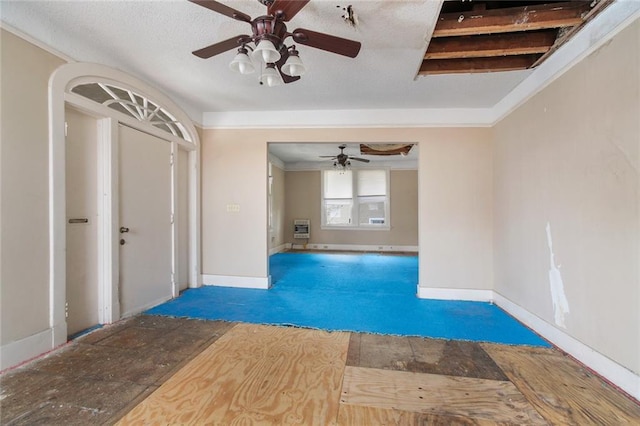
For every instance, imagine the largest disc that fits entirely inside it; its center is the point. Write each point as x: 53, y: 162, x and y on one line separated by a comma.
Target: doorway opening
x: 371, y: 206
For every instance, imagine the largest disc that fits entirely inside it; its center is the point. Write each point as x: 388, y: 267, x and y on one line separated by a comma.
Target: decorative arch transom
x: 133, y: 104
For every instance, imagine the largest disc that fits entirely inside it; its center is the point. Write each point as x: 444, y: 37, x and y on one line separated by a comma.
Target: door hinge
x: 171, y: 160
x: 66, y: 309
x: 66, y: 128
x: 172, y: 218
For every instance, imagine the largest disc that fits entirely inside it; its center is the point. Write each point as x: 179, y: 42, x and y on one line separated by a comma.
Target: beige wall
x: 24, y: 288
x: 455, y: 196
x: 278, y: 196
x: 570, y: 158
x: 303, y: 190
x: 234, y: 174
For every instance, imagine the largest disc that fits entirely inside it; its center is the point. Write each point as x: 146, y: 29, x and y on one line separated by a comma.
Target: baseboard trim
x: 263, y: 283
x: 15, y: 353
x: 145, y: 307
x: 280, y: 248
x: 355, y: 247
x: 620, y: 376
x: 455, y: 294
x: 615, y: 373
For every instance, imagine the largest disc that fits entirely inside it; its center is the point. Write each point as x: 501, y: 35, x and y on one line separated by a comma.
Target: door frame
x: 60, y: 84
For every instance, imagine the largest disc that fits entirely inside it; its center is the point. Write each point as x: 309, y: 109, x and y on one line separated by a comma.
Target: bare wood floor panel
x: 444, y: 395
x: 419, y: 355
x: 254, y: 375
x: 350, y: 415
x: 99, y: 377
x: 561, y: 389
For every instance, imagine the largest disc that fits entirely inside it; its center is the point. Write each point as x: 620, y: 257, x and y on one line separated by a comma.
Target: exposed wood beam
x: 525, y: 18
x: 602, y: 4
x: 477, y: 65
x: 490, y: 45
x: 400, y: 150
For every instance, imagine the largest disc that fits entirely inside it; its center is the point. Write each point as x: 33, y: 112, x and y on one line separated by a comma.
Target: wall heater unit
x: 301, y: 228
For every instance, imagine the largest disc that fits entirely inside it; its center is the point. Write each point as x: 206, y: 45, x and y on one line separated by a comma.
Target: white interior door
x: 82, y: 221
x: 145, y: 220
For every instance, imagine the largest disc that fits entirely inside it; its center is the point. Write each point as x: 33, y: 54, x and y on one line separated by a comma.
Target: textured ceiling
x: 153, y: 40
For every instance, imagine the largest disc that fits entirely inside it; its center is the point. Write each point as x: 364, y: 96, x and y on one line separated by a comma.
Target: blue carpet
x: 362, y: 293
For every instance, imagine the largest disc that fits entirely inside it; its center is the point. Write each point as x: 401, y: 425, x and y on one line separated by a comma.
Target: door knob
x: 123, y: 229
x: 122, y: 241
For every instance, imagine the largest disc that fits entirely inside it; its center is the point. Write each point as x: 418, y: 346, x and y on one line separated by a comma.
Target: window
x: 355, y: 199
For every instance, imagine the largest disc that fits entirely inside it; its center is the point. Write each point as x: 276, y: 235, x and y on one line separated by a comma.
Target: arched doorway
x: 118, y: 100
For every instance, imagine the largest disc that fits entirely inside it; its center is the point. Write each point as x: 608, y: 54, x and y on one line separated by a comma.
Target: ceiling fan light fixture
x: 242, y: 63
x: 270, y: 76
x: 266, y: 50
x: 293, y: 66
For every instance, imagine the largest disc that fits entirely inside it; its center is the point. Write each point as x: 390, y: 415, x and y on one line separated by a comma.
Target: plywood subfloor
x: 358, y: 415
x: 254, y: 375
x: 562, y: 390
x: 472, y: 398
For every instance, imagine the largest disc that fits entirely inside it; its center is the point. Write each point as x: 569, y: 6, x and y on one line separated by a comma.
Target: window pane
x: 371, y: 211
x: 372, y: 182
x: 337, y: 212
x: 337, y: 184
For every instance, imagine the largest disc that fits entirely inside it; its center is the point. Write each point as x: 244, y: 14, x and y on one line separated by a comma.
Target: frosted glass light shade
x: 266, y: 51
x: 270, y: 76
x: 242, y: 63
x: 294, y: 66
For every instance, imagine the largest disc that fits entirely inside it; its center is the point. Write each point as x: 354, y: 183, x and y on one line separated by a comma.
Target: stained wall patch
x: 558, y: 298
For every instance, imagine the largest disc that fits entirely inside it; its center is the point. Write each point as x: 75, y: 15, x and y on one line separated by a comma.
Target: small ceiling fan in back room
x: 267, y: 41
x: 342, y: 161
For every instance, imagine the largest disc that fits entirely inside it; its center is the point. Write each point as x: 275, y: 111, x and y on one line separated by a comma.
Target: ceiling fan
x: 267, y: 41
x: 343, y: 160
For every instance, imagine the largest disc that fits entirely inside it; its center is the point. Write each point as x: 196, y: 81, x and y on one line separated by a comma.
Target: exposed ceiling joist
x: 570, y: 32
x: 491, y: 45
x: 476, y: 65
x: 525, y: 18
x: 479, y: 36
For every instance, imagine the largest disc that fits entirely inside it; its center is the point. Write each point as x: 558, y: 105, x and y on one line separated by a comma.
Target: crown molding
x: 36, y: 42
x: 349, y: 118
x: 276, y: 161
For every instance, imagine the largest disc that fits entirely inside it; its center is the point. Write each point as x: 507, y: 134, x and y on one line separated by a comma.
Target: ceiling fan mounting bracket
x: 269, y: 28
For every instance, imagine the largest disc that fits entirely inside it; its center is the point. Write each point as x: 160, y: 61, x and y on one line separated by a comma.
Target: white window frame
x: 355, y: 226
